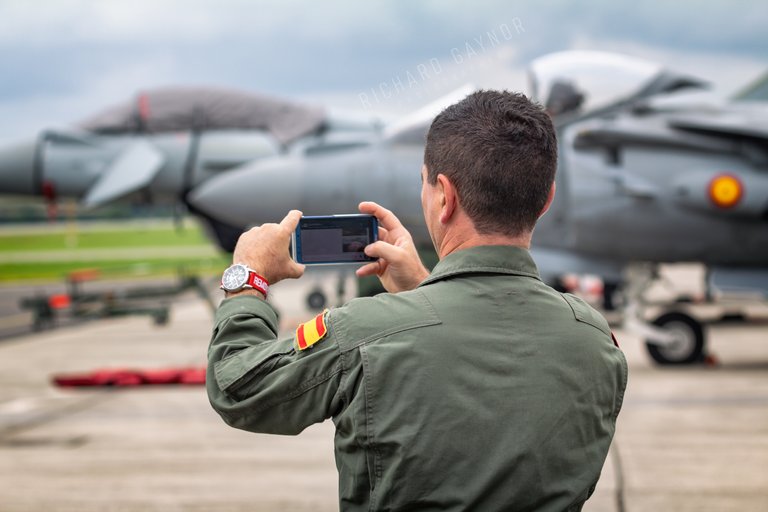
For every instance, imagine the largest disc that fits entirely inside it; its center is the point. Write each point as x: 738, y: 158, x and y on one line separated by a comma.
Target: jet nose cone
x: 17, y: 168
x: 262, y: 192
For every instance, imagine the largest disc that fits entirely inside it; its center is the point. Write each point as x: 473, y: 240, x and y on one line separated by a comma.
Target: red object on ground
x: 132, y: 377
x: 60, y: 301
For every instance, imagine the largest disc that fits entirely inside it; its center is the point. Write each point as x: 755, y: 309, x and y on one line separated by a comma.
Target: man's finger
x: 291, y: 220
x: 384, y: 250
x: 386, y: 217
x: 371, y: 269
x: 383, y: 233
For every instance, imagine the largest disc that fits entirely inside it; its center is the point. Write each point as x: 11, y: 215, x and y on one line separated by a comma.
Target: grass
x: 58, y: 271
x: 66, y: 242
x: 93, y: 239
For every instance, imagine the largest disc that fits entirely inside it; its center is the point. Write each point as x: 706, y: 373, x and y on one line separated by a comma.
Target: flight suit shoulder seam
x: 582, y: 319
x: 390, y: 332
x: 432, y: 319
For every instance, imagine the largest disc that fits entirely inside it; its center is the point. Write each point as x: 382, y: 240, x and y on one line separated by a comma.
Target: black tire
x: 161, y: 318
x: 690, y: 348
x: 316, y: 300
x: 610, y: 294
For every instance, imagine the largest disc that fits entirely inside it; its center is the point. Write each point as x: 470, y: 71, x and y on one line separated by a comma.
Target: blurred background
x: 66, y: 61
x: 120, y: 294
x: 63, y: 60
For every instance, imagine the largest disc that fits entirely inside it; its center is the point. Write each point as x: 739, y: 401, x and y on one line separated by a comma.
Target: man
x: 473, y: 387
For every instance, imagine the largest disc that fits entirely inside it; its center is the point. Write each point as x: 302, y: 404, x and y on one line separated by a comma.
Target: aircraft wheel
x: 160, y: 318
x: 316, y: 300
x: 688, y: 346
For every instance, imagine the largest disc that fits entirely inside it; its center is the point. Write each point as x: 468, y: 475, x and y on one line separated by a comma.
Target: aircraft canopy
x: 199, y: 108
x: 582, y: 81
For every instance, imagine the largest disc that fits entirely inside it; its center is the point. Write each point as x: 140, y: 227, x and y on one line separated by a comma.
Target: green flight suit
x: 482, y: 389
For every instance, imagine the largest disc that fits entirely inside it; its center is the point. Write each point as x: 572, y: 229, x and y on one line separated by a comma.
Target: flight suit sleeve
x: 260, y: 383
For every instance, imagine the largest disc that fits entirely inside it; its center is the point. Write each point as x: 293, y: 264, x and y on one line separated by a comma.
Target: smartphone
x: 334, y: 239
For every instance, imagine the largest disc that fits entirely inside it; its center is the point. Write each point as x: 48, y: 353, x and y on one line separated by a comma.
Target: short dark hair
x: 499, y: 149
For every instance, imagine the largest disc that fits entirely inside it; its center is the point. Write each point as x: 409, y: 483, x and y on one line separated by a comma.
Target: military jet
x: 652, y: 169
x: 163, y: 143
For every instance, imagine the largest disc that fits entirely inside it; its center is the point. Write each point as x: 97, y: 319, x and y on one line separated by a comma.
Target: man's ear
x: 448, y: 198
x: 550, y: 198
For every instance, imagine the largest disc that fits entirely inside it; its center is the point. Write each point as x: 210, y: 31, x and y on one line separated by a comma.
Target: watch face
x: 234, y: 277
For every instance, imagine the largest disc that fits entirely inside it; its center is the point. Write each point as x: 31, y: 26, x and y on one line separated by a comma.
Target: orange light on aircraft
x: 726, y: 190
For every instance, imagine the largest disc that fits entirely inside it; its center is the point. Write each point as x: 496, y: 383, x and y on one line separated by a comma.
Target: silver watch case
x: 235, y: 278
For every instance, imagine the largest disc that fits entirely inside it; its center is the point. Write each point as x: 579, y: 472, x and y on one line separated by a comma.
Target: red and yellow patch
x: 309, y: 333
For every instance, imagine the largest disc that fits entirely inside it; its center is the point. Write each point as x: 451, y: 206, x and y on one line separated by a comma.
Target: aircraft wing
x: 737, y: 125
x: 134, y: 168
x: 553, y: 263
x: 67, y: 137
x: 607, y: 134
x: 413, y: 127
x: 731, y: 279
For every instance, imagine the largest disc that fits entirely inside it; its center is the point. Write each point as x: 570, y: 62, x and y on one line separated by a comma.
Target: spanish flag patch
x: 309, y: 333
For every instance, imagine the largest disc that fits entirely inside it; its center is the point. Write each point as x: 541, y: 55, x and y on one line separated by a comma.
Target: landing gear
x: 673, y: 337
x: 611, y: 290
x: 316, y: 300
x: 688, y: 340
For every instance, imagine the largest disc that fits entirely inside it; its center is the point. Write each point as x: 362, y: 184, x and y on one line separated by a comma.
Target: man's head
x: 498, y: 151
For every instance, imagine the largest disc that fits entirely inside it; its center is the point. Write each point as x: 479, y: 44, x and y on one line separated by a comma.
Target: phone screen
x: 334, y: 239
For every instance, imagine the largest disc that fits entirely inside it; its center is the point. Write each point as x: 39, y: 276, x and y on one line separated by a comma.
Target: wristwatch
x: 239, y: 276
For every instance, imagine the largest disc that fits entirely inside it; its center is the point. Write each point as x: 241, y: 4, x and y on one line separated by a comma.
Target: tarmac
x: 693, y: 438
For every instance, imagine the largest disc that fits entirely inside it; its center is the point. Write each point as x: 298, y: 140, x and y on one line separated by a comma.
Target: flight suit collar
x: 485, y: 259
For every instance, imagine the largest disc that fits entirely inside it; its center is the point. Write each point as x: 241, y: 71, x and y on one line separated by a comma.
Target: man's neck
x: 454, y: 241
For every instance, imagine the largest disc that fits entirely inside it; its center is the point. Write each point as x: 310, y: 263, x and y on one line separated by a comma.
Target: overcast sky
x: 63, y: 59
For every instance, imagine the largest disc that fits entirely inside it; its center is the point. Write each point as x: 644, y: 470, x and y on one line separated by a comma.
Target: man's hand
x: 399, y: 267
x: 265, y: 249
